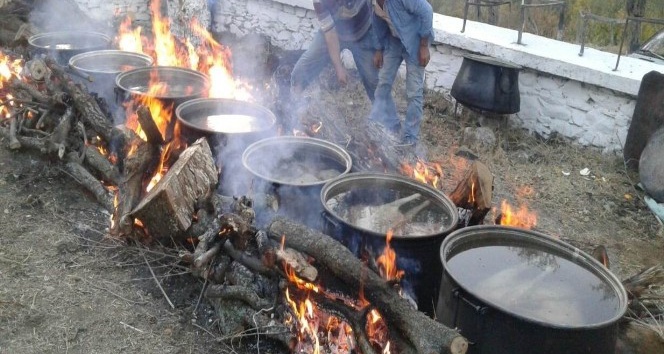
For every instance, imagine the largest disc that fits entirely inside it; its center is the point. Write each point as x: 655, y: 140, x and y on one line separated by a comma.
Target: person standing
x: 404, y: 32
x: 344, y: 24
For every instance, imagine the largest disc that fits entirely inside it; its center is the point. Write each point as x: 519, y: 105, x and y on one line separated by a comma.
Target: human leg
x: 310, y: 64
x: 384, y: 110
x: 363, y: 53
x: 415, y: 96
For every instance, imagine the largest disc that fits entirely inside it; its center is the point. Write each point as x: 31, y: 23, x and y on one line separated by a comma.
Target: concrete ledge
x: 546, y: 55
x: 305, y: 4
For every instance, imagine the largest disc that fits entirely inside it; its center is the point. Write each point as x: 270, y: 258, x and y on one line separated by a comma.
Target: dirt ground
x: 66, y: 288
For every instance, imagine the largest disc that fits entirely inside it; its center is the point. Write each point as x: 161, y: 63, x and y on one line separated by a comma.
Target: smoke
x: 66, y: 15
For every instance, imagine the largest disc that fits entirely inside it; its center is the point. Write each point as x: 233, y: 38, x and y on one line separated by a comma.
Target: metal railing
x: 479, y: 4
x: 583, y: 25
x: 634, y: 19
x: 561, y: 20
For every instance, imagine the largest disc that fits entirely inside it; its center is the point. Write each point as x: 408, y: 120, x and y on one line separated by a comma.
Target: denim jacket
x: 412, y: 19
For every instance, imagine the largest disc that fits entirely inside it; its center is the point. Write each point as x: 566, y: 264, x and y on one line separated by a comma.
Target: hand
x: 378, y: 59
x: 424, y: 55
x: 342, y: 76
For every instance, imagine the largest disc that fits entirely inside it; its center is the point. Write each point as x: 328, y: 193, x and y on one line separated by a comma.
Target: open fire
x: 318, y: 328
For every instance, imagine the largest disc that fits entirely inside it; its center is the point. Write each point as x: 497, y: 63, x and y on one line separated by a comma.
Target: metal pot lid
x: 109, y: 61
x: 492, y: 61
x: 177, y: 82
x: 69, y: 40
x: 225, y: 116
x: 533, y: 276
x: 375, y: 203
x: 296, y: 161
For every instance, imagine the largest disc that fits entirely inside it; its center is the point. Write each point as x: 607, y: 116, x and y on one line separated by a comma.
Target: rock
x: 648, y: 117
x: 479, y: 139
x: 651, y: 166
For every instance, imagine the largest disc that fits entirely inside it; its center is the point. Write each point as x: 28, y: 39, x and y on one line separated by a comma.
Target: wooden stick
x: 14, y: 144
x: 156, y: 280
x: 87, y: 180
x: 148, y: 125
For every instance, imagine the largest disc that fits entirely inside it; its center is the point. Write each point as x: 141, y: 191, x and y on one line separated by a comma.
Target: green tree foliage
x: 544, y: 21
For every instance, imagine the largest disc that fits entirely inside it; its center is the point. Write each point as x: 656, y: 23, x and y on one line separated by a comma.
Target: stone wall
x: 179, y: 12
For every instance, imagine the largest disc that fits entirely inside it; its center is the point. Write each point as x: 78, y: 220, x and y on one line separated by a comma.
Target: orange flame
x: 129, y: 39
x: 424, y: 172
x: 209, y: 58
x: 522, y: 217
x: 387, y: 262
x: 9, y: 69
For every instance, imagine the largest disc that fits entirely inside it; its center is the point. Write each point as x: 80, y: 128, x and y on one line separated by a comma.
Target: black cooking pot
x: 488, y: 84
x: 222, y: 119
x: 65, y: 44
x: 517, y: 291
x: 102, y: 67
x: 295, y: 169
x: 353, y: 206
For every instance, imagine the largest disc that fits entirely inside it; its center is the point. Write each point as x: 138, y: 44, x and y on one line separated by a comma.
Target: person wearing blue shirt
x: 404, y: 32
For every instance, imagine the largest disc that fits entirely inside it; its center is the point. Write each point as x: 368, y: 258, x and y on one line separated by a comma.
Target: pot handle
x: 481, y: 311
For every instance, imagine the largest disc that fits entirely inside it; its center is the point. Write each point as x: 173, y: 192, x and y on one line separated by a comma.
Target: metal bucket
x: 517, y: 291
x: 416, y: 243
x: 65, y: 44
x: 488, y: 84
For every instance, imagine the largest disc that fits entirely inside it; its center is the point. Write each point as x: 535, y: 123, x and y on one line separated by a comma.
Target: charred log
x: 168, y: 208
x: 149, y: 126
x: 421, y: 334
x: 473, y: 194
x: 130, y: 188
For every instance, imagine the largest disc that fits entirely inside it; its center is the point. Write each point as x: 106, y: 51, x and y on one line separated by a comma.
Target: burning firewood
x: 420, y: 333
x: 168, y: 208
x: 473, y: 194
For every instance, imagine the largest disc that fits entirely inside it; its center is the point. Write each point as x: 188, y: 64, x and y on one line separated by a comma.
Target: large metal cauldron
x: 222, y: 119
x: 102, y: 67
x: 295, y: 169
x: 488, y: 84
x: 354, y: 211
x: 516, y: 291
x: 65, y: 44
x: 177, y: 85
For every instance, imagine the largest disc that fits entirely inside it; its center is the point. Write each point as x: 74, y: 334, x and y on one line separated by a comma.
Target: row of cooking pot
x: 507, y: 290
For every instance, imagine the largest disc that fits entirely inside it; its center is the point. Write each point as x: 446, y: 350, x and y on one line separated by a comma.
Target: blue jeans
x: 384, y: 109
x: 316, y: 57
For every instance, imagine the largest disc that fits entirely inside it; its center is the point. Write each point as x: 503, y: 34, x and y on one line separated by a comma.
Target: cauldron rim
x: 311, y: 142
x: 391, y: 177
x: 535, y: 238
x: 77, y: 59
x: 203, y: 79
x: 492, y: 61
x: 104, y: 40
x: 181, y: 114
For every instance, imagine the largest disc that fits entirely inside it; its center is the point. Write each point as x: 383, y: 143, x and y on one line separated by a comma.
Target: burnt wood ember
x: 139, y: 162
x: 420, y: 333
x: 148, y: 125
x: 473, y: 195
x: 168, y: 208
